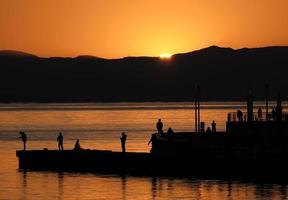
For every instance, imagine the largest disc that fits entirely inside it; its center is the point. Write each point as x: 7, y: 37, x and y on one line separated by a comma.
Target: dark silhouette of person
x: 170, y: 131
x: 60, y: 141
x: 208, y: 130
x: 77, y: 146
x: 240, y: 115
x: 273, y: 114
x: 152, y: 139
x: 170, y: 134
x: 24, y: 139
x: 123, y: 142
x: 159, y: 126
x: 202, y: 127
x: 260, y: 114
x: 213, y: 125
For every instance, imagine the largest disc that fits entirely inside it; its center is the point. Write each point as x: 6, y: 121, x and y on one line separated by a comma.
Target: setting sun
x: 165, y: 56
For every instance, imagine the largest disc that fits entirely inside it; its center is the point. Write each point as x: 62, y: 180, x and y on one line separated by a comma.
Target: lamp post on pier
x: 266, y: 98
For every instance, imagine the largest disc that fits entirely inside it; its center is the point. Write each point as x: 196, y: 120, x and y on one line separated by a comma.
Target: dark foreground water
x: 98, y: 126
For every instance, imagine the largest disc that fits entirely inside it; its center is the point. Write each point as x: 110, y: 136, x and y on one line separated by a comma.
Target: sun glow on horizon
x: 165, y: 56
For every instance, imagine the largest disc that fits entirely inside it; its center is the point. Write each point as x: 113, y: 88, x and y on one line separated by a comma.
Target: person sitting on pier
x: 123, y: 142
x: 170, y: 132
x: 159, y: 127
x: 24, y: 139
x: 213, y: 125
x: 60, y: 141
x: 208, y: 130
x: 259, y: 114
x: 77, y: 146
x: 240, y: 115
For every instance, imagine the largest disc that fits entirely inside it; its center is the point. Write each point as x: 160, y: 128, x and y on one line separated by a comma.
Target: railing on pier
x: 232, y: 117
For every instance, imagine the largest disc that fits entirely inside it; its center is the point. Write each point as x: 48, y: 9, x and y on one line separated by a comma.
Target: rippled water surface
x: 98, y: 126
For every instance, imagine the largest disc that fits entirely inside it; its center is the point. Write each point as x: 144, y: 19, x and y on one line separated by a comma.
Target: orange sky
x: 118, y: 28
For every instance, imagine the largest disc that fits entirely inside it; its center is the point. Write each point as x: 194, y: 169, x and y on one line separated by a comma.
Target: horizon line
x: 132, y: 56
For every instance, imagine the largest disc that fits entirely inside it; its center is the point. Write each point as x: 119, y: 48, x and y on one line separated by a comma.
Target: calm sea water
x: 98, y: 126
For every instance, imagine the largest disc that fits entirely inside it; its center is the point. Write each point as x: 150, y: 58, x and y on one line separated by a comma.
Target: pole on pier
x: 266, y: 97
x: 279, y: 109
x: 198, y: 105
x: 250, y: 116
x: 196, y: 120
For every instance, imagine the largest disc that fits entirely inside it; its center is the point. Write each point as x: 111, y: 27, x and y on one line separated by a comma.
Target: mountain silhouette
x: 15, y: 54
x: 223, y: 73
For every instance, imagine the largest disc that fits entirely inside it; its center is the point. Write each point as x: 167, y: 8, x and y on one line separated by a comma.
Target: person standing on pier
x: 24, y: 139
x: 213, y: 125
x: 123, y: 142
x: 159, y: 127
x: 240, y: 115
x: 274, y: 114
x: 60, y: 141
x: 152, y: 139
x: 260, y: 114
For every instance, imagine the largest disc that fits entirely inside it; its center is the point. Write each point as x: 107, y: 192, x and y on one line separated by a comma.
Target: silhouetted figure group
x: 209, y: 130
x: 60, y: 140
x: 24, y: 139
x: 123, y: 138
x: 276, y: 115
x: 77, y: 146
x: 160, y: 132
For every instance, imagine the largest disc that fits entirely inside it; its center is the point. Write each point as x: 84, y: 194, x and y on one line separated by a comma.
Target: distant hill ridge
x: 223, y: 73
x: 209, y: 50
x: 10, y: 53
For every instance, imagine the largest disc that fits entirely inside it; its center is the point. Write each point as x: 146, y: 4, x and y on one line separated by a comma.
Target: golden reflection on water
x: 55, y: 185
